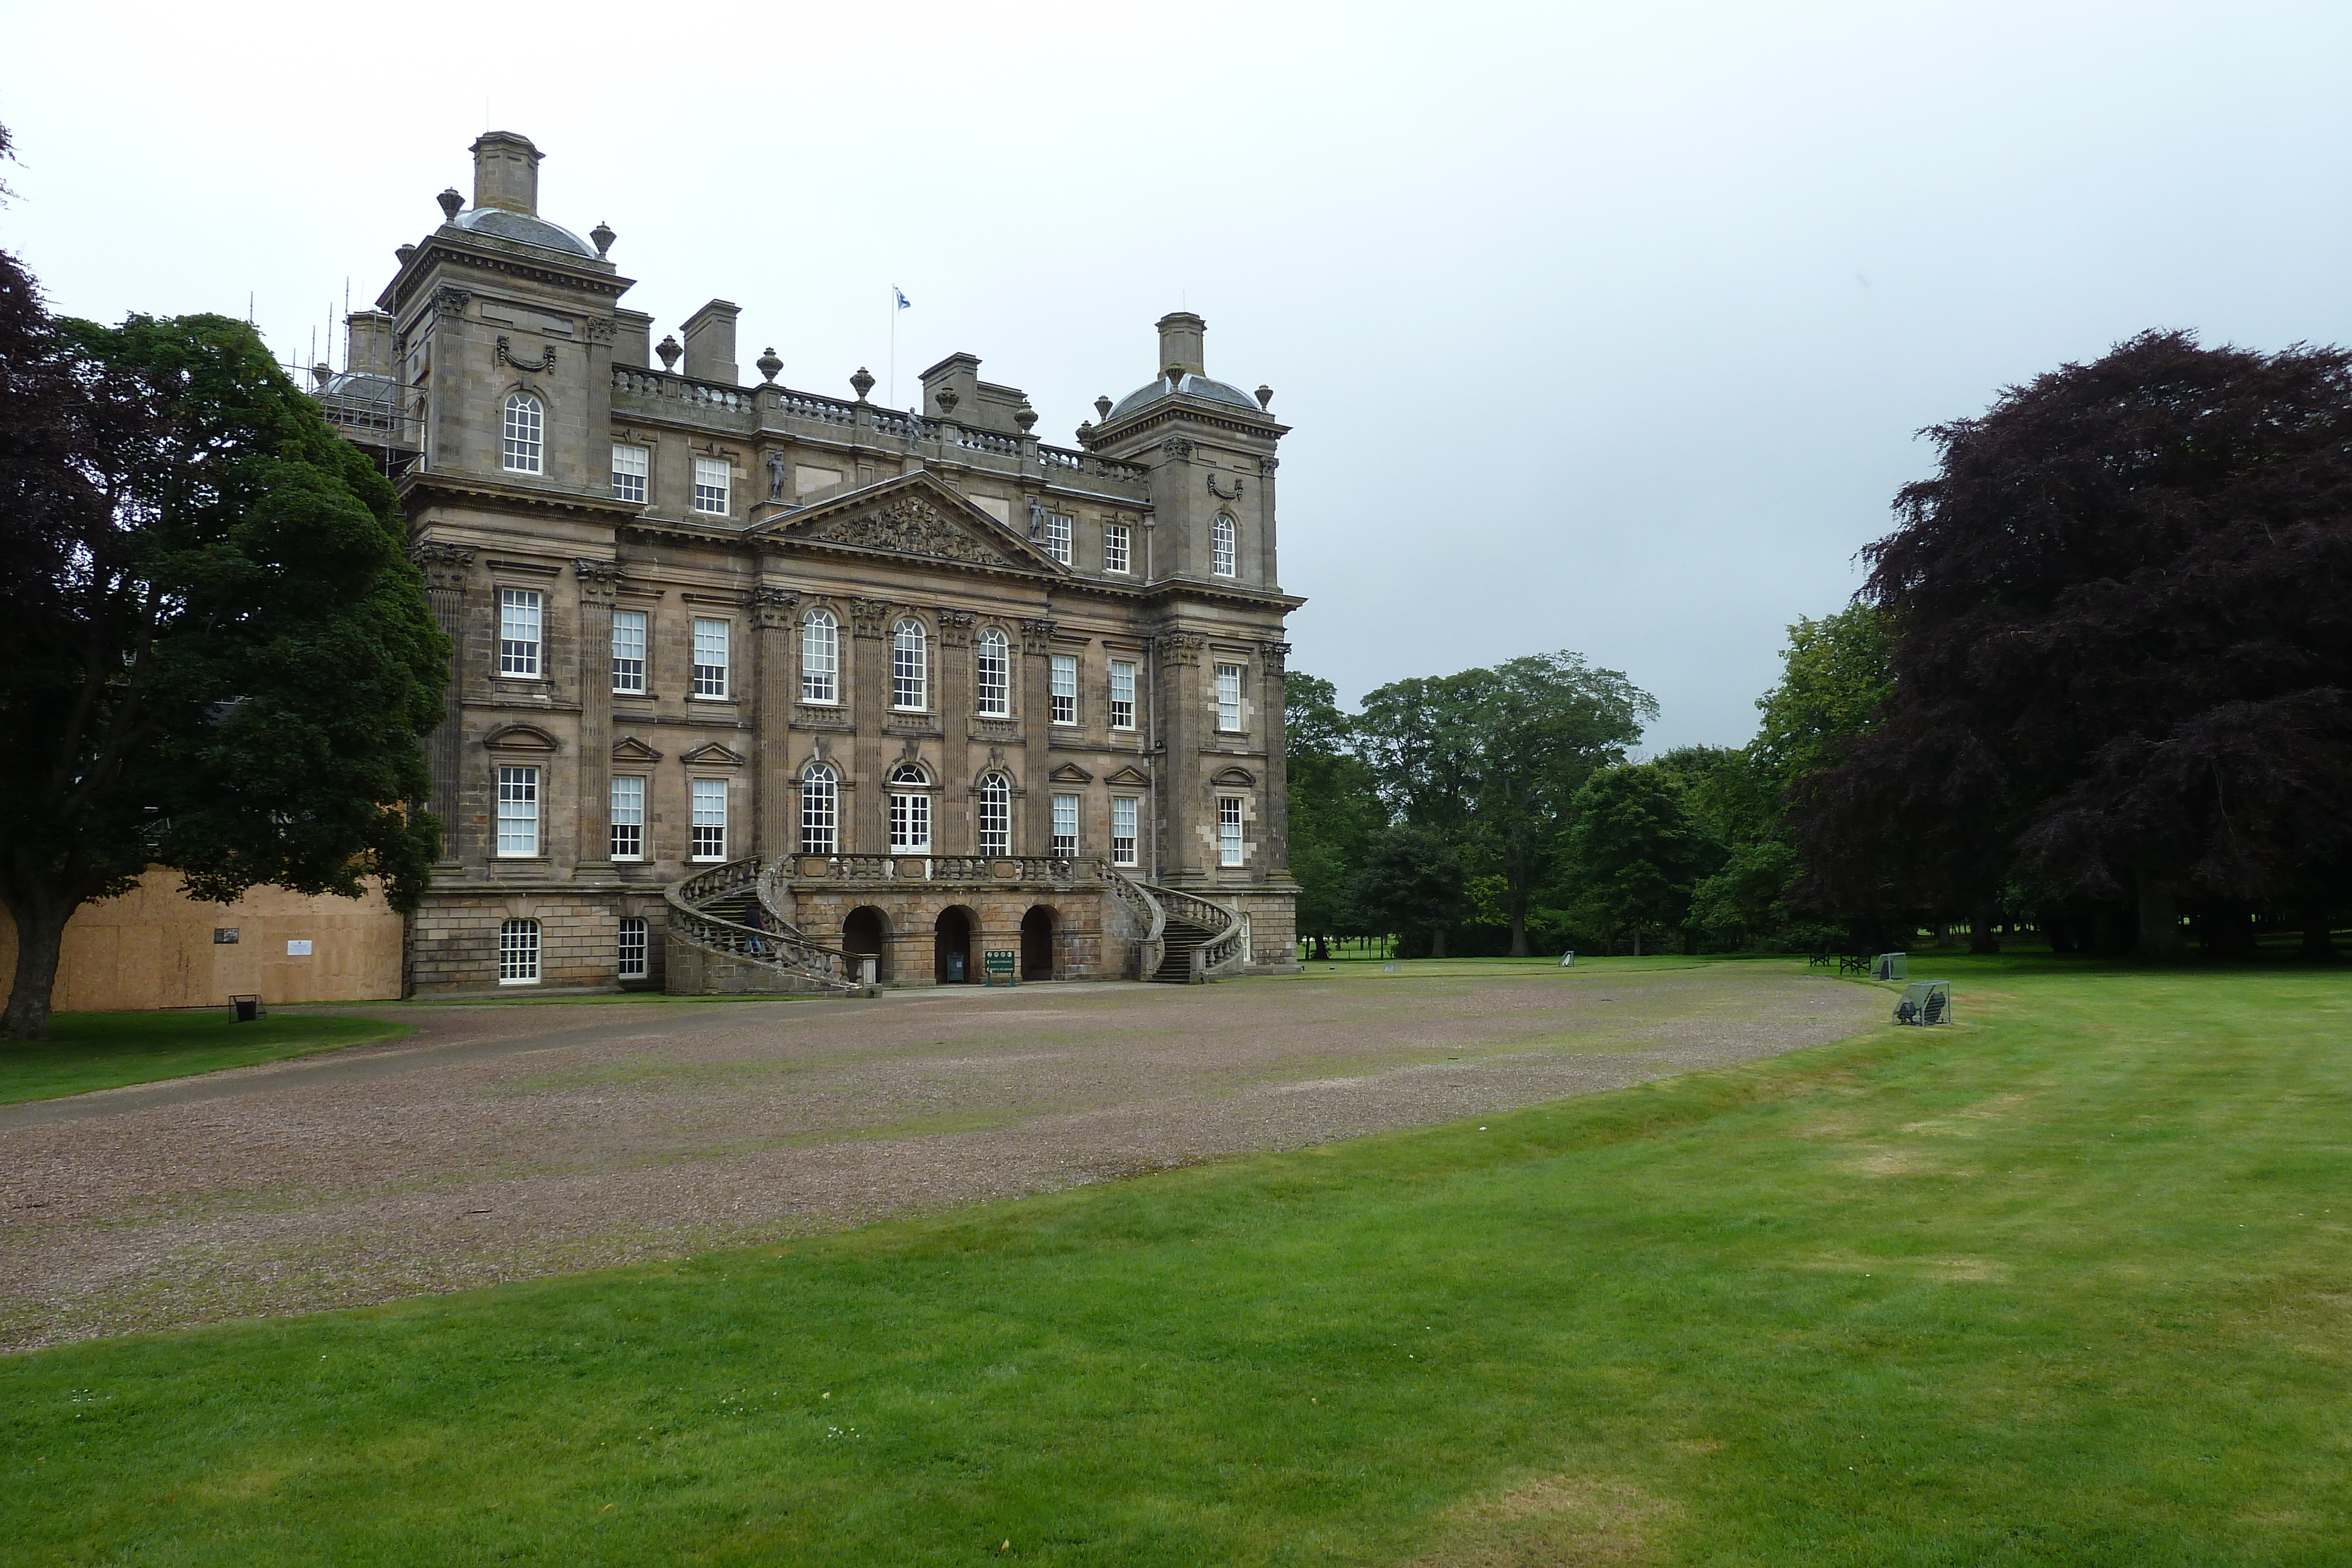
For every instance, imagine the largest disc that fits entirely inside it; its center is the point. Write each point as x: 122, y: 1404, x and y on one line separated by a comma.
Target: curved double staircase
x: 735, y: 914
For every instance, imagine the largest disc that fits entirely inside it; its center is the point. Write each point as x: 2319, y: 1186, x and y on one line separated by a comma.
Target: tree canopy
x: 2120, y: 646
x: 1334, y: 811
x: 218, y: 656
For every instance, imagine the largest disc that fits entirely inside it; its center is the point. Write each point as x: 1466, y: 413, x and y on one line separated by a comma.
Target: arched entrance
x: 953, y: 962
x: 1038, y: 944
x: 866, y: 935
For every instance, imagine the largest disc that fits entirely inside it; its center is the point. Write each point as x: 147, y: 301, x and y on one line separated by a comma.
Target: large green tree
x: 1635, y: 853
x: 1335, y: 813
x: 214, y: 654
x: 1490, y: 759
x: 1413, y: 884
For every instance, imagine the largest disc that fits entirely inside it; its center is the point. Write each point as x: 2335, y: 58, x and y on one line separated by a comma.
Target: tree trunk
x: 1982, y: 936
x: 1637, y: 941
x: 2160, y: 941
x: 1519, y: 933
x: 1322, y: 947
x: 1437, y: 942
x: 40, y: 937
x: 2318, y: 932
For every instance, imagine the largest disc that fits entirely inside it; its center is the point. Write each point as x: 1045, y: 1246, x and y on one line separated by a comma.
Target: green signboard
x: 1008, y: 965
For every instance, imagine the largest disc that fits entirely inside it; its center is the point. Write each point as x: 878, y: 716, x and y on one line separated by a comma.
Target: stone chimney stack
x: 1179, y: 344
x: 710, y: 343
x: 506, y: 173
x: 368, y: 351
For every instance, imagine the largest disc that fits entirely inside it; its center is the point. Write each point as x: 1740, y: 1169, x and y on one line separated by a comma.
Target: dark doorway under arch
x: 867, y: 934
x: 1038, y: 944
x: 952, y: 960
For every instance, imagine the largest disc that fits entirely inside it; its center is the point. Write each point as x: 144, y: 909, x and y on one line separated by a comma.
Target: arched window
x: 820, y: 658
x: 526, y: 434
x: 995, y: 815
x: 909, y: 666
x: 1220, y: 545
x: 996, y: 674
x: 911, y: 811
x: 820, y: 810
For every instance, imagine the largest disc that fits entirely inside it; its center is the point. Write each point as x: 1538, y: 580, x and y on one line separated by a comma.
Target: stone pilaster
x: 1181, y: 727
x: 957, y: 830
x: 1274, y: 855
x: 775, y: 618
x: 1036, y: 837
x: 447, y: 569
x: 866, y: 824
x: 593, y: 768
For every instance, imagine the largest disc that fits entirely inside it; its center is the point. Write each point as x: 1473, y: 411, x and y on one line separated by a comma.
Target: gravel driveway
x: 501, y: 1142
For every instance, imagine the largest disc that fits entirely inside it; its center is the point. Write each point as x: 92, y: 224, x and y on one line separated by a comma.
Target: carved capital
x: 448, y: 301
x: 1176, y: 446
x: 1274, y: 653
x: 1036, y: 636
x: 868, y: 617
x: 955, y: 628
x: 600, y: 330
x: 444, y: 566
x: 1182, y: 648
x: 1266, y: 466
x: 774, y: 609
x: 597, y: 578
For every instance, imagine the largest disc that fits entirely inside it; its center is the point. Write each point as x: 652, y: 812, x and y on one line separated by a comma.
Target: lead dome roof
x: 500, y: 223
x: 1191, y: 386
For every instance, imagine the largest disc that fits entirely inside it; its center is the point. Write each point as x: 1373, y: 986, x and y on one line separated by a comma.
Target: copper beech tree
x: 214, y: 654
x: 2121, y: 613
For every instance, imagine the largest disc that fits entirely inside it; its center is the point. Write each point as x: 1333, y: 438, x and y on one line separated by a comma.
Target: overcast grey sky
x: 1601, y: 327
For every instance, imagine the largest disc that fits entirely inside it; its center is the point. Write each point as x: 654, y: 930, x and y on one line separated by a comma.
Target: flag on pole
x: 903, y: 301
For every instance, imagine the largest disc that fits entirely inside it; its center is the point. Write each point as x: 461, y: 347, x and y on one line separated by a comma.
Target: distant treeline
x: 2095, y: 687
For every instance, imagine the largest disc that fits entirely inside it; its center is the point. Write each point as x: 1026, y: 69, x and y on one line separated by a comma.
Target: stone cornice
x: 510, y: 259
x: 419, y: 489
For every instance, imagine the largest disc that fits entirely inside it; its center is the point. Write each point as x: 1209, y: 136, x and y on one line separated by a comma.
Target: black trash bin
x: 248, y: 1007
x: 955, y: 968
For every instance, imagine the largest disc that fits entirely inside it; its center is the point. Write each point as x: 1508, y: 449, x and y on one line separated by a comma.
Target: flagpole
x: 894, y: 345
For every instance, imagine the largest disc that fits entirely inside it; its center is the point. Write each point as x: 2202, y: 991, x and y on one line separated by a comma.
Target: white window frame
x: 1126, y: 813
x: 633, y: 470
x: 632, y: 631
x: 1119, y: 549
x: 518, y: 947
x: 1058, y: 525
x: 991, y: 661
x: 1229, y: 831
x: 714, y: 485
x: 820, y: 658
x: 911, y: 667
x: 1122, y: 694
x: 910, y: 812
x: 1223, y: 535
x: 707, y: 800
x: 522, y: 448
x: 634, y: 948
x: 625, y: 817
x: 995, y: 815
x: 517, y: 824
x: 712, y: 653
x: 1065, y: 825
x: 820, y: 810
x: 1064, y: 697
x: 522, y: 629
x: 1230, y: 678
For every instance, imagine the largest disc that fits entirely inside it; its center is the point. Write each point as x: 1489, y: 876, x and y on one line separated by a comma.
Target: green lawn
x: 105, y: 1050
x: 2061, y: 1285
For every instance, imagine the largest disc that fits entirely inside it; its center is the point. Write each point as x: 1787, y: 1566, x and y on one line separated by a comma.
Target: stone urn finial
x: 862, y: 381
x: 451, y: 204
x: 1085, y: 430
x: 1026, y: 417
x: 1102, y: 407
x: 404, y: 253
x: 668, y: 351
x: 602, y: 237
x: 1265, y: 397
x: 769, y: 365
x: 321, y: 373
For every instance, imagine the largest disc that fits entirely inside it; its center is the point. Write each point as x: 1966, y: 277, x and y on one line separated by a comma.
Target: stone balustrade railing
x: 930, y: 868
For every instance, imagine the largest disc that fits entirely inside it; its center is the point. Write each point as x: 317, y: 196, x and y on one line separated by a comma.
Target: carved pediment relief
x: 914, y: 516
x: 520, y: 738
x: 1070, y: 773
x: 711, y: 754
x: 1130, y: 775
x: 1234, y: 778
x: 629, y: 748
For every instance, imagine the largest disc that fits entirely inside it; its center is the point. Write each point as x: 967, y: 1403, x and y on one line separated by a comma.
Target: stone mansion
x: 759, y: 688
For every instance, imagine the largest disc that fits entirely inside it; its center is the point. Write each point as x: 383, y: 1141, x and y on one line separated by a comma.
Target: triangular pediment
x: 629, y: 748
x: 1070, y: 773
x: 1130, y: 775
x: 912, y: 515
x: 711, y: 754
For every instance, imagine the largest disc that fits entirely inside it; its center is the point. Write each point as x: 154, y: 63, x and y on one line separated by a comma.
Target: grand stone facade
x: 948, y: 689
